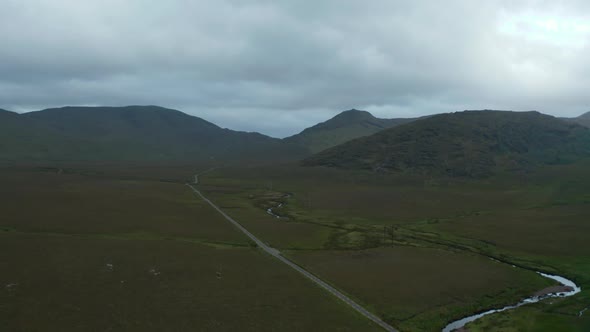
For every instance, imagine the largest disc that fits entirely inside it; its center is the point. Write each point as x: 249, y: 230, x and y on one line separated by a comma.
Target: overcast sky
x: 279, y: 66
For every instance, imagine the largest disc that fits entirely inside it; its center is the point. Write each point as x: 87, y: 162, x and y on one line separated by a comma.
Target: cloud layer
x: 278, y: 66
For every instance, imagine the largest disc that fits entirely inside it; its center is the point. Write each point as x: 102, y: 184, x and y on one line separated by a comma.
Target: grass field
x: 132, y: 248
x: 418, y: 289
x: 98, y: 253
x: 75, y: 204
x: 537, y: 220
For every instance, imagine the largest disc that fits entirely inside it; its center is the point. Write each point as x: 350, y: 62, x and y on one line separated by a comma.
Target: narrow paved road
x: 277, y: 254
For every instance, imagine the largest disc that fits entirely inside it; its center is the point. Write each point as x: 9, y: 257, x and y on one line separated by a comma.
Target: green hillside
x: 470, y: 143
x: 343, y: 127
x: 133, y: 133
x: 22, y: 140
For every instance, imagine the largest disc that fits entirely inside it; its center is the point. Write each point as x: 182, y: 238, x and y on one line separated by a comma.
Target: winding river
x: 575, y: 289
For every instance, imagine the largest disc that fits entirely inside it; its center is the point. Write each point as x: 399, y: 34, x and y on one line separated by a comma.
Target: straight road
x: 277, y: 254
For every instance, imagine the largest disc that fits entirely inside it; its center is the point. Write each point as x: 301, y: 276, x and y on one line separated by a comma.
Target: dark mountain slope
x: 5, y: 113
x: 343, y: 127
x: 583, y: 119
x: 19, y: 138
x: 470, y: 143
x: 133, y: 133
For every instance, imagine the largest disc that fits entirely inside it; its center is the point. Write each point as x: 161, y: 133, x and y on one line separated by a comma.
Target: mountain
x: 18, y: 138
x: 132, y: 133
x: 583, y: 119
x: 343, y: 127
x: 470, y: 143
x: 5, y: 113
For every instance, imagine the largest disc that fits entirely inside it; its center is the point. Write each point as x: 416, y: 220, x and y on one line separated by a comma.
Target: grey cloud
x: 277, y: 66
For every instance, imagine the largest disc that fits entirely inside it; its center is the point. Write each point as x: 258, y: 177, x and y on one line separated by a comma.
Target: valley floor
x: 133, y: 248
x: 101, y: 253
x: 420, y: 251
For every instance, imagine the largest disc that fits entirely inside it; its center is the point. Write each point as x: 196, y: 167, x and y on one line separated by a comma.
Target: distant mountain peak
x: 354, y: 111
x: 352, y: 115
x: 341, y: 128
x: 347, y: 118
x: 585, y: 115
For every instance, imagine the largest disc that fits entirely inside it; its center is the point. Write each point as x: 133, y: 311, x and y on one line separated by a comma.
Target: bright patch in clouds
x: 560, y: 31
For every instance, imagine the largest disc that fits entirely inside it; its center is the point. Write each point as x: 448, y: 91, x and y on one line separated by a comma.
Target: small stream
x: 270, y: 210
x: 533, y: 299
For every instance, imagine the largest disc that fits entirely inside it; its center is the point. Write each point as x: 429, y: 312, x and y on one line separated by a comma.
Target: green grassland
x: 44, y: 202
x: 415, y: 249
x: 82, y: 250
x: 418, y: 289
x: 537, y: 220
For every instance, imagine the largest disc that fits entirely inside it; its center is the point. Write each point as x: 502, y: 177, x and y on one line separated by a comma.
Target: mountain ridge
x: 341, y: 128
x: 4, y: 112
x: 140, y: 133
x: 583, y: 119
x: 130, y: 133
x: 469, y: 143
